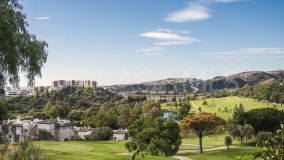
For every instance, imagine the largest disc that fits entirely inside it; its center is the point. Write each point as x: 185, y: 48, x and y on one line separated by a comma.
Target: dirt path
x: 181, y: 158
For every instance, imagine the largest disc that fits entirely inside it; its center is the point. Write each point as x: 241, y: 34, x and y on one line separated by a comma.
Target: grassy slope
x: 230, y: 102
x: 81, y: 150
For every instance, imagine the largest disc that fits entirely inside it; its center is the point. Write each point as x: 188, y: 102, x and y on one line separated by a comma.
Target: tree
x: 106, y: 118
x: 243, y: 133
x: 4, y: 127
x: 155, y: 136
x: 20, y: 51
x: 228, y: 141
x: 123, y: 116
x: 272, y: 146
x: 202, y: 124
x: 183, y: 109
x: 265, y: 119
x: 151, y: 109
x: 204, y: 102
x: 239, y: 115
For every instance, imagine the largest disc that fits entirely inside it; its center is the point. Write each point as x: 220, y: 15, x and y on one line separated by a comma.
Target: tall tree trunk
x: 133, y: 156
x: 228, y: 147
x: 200, y: 143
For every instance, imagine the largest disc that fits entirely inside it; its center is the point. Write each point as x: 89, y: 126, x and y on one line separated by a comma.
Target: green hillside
x: 218, y: 105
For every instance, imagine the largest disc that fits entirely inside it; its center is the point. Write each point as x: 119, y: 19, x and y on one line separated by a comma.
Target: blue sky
x: 126, y: 41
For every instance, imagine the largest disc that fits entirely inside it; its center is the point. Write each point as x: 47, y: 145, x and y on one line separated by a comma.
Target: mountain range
x: 182, y: 85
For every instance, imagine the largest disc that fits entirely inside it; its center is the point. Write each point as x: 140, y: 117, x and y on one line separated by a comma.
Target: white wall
x: 48, y: 127
x: 65, y: 132
x: 84, y: 134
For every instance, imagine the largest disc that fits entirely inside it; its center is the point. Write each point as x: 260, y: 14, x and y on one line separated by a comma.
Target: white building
x: 15, y: 92
x: 23, y: 128
x: 119, y: 135
x: 84, y: 133
x: 60, y: 84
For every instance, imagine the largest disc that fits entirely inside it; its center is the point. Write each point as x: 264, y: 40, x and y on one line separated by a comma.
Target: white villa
x: 25, y: 128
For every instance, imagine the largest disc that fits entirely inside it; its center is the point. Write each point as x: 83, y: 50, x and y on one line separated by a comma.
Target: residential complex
x: 27, y: 128
x: 59, y: 84
x: 55, y: 86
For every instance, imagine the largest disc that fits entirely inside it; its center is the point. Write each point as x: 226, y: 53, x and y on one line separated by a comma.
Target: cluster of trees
x: 243, y: 124
x: 88, y: 107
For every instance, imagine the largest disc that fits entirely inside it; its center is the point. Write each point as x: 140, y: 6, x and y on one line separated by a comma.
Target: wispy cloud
x: 150, y: 50
x: 246, y: 52
x: 198, y: 10
x: 265, y: 51
x: 153, y: 54
x: 192, y: 13
x: 42, y: 18
x: 168, y: 37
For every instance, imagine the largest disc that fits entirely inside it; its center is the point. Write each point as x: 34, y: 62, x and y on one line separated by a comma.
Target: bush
x: 45, y: 135
x: 23, y: 151
x: 265, y: 119
x: 101, y: 134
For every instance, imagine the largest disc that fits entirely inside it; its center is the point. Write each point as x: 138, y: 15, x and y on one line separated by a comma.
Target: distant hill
x: 181, y: 85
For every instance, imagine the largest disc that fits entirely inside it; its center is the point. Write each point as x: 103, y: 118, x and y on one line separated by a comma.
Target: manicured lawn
x: 232, y: 154
x: 81, y: 150
x: 214, y: 104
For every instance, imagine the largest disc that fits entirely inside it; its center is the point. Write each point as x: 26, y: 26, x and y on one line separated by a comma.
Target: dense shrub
x: 45, y: 135
x: 265, y: 119
x: 101, y: 134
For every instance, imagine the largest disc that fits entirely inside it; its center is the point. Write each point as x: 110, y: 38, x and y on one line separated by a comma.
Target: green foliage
x: 272, y: 146
x: 106, y: 117
x: 151, y: 109
x: 243, y: 133
x: 100, y: 134
x: 228, y: 141
x: 239, y: 115
x: 272, y: 90
x: 154, y: 136
x: 3, y: 111
x: 265, y: 119
x: 261, y: 135
x: 57, y: 109
x: 183, y: 110
x: 45, y: 135
x: 204, y: 102
x: 20, y: 51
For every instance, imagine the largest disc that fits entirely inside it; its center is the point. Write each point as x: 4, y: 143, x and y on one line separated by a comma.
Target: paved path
x: 181, y: 158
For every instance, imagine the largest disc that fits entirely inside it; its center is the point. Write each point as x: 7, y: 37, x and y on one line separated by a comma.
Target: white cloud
x: 246, y: 52
x: 172, y: 43
x: 42, y: 18
x: 151, y: 50
x: 194, y: 12
x: 265, y: 51
x: 153, y: 54
x: 169, y: 37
